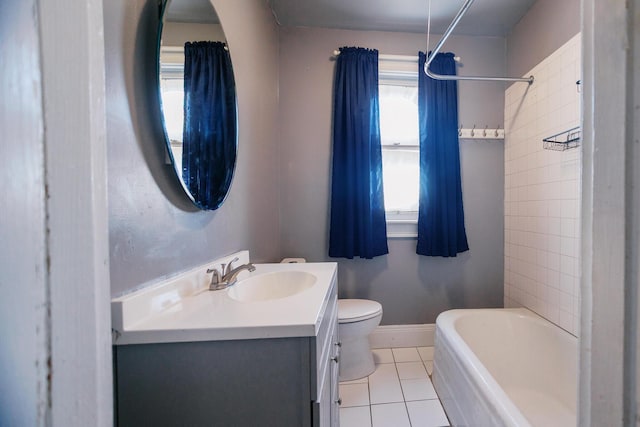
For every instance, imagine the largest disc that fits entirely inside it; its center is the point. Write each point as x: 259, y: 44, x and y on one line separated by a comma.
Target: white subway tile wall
x: 542, y: 191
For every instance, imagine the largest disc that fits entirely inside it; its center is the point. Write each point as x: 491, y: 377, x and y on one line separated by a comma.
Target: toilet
x: 357, y: 318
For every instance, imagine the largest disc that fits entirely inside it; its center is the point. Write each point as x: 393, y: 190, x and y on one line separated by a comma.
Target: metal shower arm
x: 434, y: 52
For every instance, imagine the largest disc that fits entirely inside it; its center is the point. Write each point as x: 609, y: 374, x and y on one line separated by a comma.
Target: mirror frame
x: 226, y: 187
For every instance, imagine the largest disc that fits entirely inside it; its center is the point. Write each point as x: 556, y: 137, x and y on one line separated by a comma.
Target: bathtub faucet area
x: 228, y: 276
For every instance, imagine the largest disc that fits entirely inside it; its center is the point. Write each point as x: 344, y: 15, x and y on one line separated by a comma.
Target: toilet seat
x: 356, y: 310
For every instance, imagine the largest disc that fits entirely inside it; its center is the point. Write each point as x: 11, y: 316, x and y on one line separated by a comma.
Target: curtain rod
x: 180, y: 49
x: 397, y: 58
x: 446, y: 34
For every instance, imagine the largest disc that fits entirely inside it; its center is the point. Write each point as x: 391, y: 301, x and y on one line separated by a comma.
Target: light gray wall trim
x: 55, y: 363
x: 153, y: 229
x: 398, y: 336
x: 632, y: 332
x: 545, y: 27
x: 78, y: 263
x: 609, y: 345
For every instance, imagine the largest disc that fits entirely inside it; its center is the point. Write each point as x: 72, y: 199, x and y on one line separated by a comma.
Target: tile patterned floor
x: 398, y: 394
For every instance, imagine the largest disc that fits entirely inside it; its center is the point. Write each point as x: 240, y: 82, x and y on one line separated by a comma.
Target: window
x: 399, y: 131
x: 172, y: 95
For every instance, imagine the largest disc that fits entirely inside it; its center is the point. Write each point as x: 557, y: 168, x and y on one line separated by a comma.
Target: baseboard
x: 390, y: 336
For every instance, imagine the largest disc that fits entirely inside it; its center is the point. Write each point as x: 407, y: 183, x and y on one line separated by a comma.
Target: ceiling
x: 193, y: 11
x: 484, y: 17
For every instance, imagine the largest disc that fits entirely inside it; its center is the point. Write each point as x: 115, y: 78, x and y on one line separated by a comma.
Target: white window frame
x: 400, y: 71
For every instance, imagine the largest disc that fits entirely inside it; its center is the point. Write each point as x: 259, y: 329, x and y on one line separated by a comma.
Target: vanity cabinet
x: 326, y: 405
x: 280, y: 381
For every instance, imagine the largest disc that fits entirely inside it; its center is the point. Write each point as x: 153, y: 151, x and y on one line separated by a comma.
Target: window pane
x: 399, y: 115
x: 401, y: 177
x: 173, y: 106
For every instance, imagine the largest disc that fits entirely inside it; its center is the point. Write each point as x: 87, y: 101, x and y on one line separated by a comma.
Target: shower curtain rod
x: 446, y: 34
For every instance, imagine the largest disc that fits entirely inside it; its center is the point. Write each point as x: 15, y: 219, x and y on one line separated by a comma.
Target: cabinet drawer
x: 330, y: 314
x: 328, y: 353
x: 322, y: 345
x: 323, y: 339
x: 325, y: 409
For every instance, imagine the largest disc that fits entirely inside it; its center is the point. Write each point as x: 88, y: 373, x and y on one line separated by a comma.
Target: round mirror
x: 197, y: 99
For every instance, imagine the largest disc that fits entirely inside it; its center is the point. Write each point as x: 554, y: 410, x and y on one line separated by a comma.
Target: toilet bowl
x: 357, y: 318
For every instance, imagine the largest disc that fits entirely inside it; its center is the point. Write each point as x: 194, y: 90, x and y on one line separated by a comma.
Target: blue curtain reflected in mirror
x: 209, y: 134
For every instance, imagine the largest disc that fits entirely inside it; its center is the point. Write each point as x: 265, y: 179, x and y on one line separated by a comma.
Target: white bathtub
x: 505, y: 367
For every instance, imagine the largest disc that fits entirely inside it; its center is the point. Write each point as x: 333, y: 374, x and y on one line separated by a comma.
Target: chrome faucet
x: 228, y: 276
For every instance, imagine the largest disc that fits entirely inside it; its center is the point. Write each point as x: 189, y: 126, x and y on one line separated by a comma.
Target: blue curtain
x: 209, y: 134
x: 358, y: 226
x: 440, y: 214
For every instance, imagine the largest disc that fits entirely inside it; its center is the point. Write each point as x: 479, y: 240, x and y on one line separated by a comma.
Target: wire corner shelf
x: 563, y: 140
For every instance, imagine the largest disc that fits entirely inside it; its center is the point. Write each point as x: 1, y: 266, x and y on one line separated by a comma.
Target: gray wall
x: 153, y: 229
x: 412, y: 289
x: 178, y: 33
x: 545, y: 27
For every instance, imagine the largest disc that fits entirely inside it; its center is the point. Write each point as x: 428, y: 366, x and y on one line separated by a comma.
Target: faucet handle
x: 226, y: 268
x: 215, y: 277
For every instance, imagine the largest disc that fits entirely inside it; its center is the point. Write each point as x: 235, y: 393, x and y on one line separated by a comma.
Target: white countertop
x: 169, y: 313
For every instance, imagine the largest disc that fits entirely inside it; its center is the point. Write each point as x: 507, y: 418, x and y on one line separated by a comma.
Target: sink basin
x: 270, y: 286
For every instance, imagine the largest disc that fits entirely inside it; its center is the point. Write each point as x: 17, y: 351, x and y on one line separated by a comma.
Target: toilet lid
x: 354, y: 310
